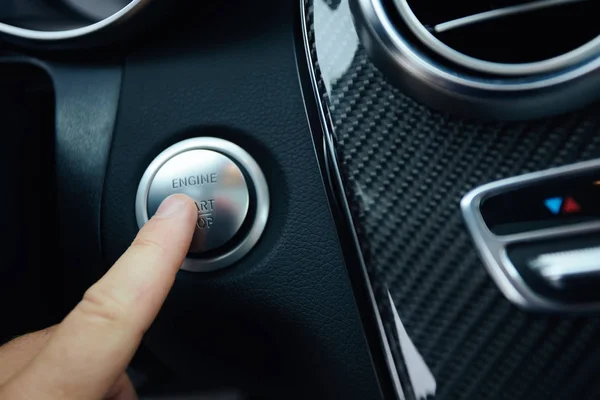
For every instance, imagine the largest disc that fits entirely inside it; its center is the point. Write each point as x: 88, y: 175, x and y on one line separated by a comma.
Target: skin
x: 85, y: 356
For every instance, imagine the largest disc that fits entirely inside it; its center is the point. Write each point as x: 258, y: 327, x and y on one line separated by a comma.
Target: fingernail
x: 170, y: 206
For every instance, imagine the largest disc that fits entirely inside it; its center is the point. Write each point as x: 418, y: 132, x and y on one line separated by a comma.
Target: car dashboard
x: 380, y: 130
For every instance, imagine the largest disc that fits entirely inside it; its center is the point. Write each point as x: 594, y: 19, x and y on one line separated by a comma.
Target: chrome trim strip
x: 48, y: 36
x: 335, y: 175
x: 257, y: 179
x: 492, y: 248
x: 555, y: 268
x: 573, y: 57
x: 500, y: 13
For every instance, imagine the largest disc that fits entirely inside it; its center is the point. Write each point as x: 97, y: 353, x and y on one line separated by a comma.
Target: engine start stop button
x: 217, y: 185
x: 220, y: 177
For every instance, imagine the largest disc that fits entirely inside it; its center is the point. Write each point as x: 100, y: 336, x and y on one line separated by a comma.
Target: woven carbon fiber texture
x: 405, y: 168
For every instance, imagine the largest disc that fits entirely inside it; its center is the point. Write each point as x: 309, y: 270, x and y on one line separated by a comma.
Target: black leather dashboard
x: 283, y: 321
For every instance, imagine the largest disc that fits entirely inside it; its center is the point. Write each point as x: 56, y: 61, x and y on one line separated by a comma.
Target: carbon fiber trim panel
x: 405, y: 169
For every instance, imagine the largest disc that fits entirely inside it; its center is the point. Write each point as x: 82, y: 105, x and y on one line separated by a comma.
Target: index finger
x: 95, y: 342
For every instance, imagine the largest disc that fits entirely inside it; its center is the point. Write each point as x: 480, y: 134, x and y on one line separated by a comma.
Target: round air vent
x: 507, y: 36
x: 507, y: 59
x: 65, y: 23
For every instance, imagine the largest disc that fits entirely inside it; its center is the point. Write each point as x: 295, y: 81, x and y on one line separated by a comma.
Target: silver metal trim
x: 257, y: 179
x: 492, y: 248
x: 336, y: 176
x: 423, y: 78
x: 573, y: 57
x: 558, y: 267
x: 499, y: 13
x: 48, y: 36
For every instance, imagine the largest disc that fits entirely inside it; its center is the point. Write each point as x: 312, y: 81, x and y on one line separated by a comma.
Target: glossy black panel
x: 405, y: 169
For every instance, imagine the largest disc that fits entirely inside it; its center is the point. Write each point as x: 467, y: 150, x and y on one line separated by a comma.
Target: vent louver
x: 492, y: 59
x: 520, y: 37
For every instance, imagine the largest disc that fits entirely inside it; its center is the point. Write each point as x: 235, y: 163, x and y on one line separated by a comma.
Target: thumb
x: 91, y: 348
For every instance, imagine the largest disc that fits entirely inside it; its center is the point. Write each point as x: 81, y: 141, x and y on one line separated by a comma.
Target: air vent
x: 507, y: 36
x: 69, y: 23
x: 498, y: 59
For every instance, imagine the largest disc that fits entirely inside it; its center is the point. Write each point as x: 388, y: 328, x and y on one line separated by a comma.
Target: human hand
x: 85, y: 356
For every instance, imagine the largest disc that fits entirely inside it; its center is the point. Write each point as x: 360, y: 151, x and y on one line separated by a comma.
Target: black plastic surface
x: 59, y: 131
x: 87, y: 97
x: 282, y: 323
x: 27, y: 286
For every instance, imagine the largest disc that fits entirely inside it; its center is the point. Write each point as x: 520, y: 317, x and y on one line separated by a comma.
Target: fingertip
x: 176, y: 205
x: 107, y: 325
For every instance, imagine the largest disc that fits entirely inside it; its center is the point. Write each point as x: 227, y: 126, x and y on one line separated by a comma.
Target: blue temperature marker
x: 553, y: 204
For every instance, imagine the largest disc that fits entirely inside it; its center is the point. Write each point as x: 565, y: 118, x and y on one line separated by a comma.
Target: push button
x: 230, y: 192
x: 217, y: 185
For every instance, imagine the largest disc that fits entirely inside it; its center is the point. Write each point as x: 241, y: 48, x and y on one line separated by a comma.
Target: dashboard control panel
x: 539, y: 236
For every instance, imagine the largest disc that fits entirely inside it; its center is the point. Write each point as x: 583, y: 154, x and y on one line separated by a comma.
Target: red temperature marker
x: 570, y: 206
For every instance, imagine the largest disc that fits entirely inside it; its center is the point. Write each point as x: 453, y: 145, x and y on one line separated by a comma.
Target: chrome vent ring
x: 68, y: 23
x: 496, y: 59
x: 507, y: 37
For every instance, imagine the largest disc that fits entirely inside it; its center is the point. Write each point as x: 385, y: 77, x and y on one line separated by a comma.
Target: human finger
x: 93, y: 345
